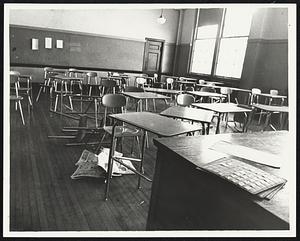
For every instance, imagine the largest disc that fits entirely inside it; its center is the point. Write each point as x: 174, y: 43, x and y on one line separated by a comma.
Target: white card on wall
x: 59, y: 44
x: 34, y: 44
x: 48, y: 43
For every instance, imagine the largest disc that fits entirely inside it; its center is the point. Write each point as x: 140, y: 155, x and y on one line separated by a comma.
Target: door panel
x: 152, y: 56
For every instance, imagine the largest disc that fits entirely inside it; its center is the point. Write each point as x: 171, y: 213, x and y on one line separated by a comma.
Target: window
x: 221, y: 40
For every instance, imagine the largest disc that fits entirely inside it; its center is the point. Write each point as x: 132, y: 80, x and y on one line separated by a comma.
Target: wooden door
x: 153, y: 55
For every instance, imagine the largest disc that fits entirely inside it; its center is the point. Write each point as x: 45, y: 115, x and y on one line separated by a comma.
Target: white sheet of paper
x: 247, y: 153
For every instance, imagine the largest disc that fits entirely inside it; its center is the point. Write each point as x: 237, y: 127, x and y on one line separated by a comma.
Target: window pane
x: 208, y: 31
x: 203, y: 56
x: 231, y: 57
x: 237, y: 22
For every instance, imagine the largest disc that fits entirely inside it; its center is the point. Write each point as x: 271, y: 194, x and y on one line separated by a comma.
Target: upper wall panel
x: 121, y: 23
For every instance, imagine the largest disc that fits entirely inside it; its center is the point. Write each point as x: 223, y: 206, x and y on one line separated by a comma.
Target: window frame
x: 218, y: 38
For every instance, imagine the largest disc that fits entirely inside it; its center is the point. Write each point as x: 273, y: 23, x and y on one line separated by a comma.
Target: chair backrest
x: 116, y: 102
x: 274, y: 92
x: 107, y: 86
x: 185, y: 99
x: 133, y: 89
x: 72, y: 72
x: 255, y: 91
x: 47, y: 72
x: 254, y: 97
x: 14, y: 81
x: 201, y: 81
x: 225, y: 90
x: 208, y: 89
x: 170, y: 80
x: 92, y: 78
x: 141, y: 80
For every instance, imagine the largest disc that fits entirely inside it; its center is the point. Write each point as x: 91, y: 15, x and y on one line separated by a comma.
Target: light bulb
x: 161, y: 20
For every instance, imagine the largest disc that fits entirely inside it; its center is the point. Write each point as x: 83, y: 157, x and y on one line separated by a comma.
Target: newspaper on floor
x: 118, y: 169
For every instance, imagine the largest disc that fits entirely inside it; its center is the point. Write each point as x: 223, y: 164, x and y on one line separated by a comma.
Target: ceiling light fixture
x: 161, y: 19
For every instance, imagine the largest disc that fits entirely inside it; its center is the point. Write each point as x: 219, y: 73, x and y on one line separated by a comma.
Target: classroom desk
x: 222, y: 108
x: 270, y: 109
x: 162, y: 91
x: 184, y: 197
x: 191, y: 114
x: 140, y: 96
x: 149, y: 122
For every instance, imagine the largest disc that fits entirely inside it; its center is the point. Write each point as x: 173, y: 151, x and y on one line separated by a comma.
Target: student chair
x: 170, y: 83
x: 185, y: 99
x: 92, y: 82
x: 226, y: 91
x: 141, y: 82
x: 14, y: 92
x: 270, y: 101
x: 48, y: 73
x: 74, y: 73
x: 207, y: 89
x: 116, y: 103
x: 254, y: 98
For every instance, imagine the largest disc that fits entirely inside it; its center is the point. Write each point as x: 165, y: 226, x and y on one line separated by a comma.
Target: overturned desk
x: 185, y: 197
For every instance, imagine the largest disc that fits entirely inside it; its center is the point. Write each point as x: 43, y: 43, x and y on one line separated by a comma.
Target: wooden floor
x: 44, y: 197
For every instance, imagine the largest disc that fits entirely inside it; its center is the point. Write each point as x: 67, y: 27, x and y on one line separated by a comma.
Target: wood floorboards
x: 44, y: 197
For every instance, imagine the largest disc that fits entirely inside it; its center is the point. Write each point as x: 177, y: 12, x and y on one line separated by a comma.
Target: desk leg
x: 207, y: 128
x: 110, y: 161
x: 268, y: 119
x: 203, y: 128
x: 96, y: 111
x: 142, y: 158
x: 218, y: 124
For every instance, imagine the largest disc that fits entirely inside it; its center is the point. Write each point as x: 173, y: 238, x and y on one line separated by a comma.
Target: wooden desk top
x: 211, y: 86
x: 272, y: 108
x: 25, y: 76
x: 195, y: 149
x: 273, y: 96
x: 185, y: 82
x: 239, y: 89
x: 206, y: 94
x: 222, y: 107
x: 160, y: 90
x: 214, y: 83
x: 187, y: 78
x: 63, y: 77
x: 145, y: 95
x: 157, y: 124
x: 188, y: 113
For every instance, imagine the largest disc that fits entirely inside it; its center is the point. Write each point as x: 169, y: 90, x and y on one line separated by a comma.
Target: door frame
x: 161, y: 54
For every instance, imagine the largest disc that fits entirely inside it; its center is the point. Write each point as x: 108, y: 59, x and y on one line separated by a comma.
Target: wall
x: 266, y: 60
x: 182, y: 60
x: 107, y: 39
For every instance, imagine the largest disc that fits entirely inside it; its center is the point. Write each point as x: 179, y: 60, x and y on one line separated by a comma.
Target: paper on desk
x: 247, y: 153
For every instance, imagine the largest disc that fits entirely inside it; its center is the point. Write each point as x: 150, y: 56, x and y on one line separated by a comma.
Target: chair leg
x: 154, y: 105
x: 39, y: 93
x: 56, y: 102
x: 21, y: 112
x: 71, y: 103
x: 110, y: 164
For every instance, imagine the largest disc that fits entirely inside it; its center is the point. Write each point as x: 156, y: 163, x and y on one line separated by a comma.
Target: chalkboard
x: 79, y: 50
